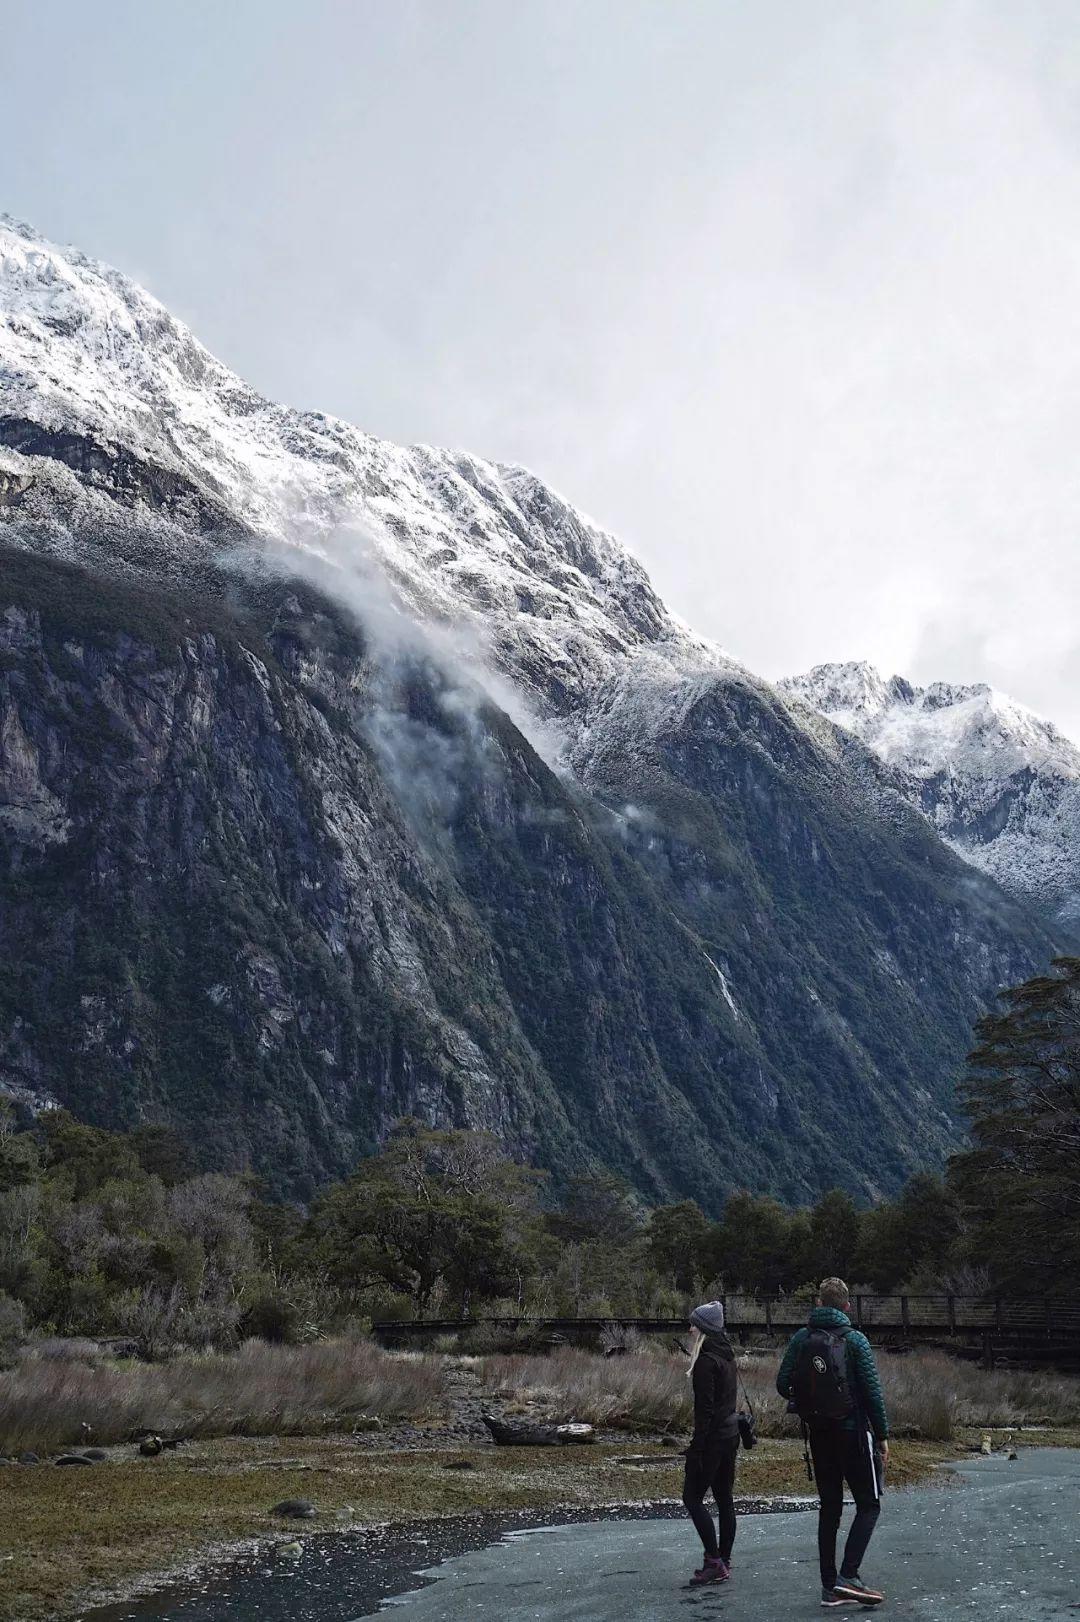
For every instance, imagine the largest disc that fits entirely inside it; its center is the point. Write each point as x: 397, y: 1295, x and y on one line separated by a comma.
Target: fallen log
x: 533, y: 1433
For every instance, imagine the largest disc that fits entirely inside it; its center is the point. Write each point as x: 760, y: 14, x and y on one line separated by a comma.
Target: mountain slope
x: 279, y: 861
x: 1000, y: 784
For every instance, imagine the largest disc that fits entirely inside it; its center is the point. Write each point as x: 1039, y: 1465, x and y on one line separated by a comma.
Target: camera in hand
x: 747, y: 1431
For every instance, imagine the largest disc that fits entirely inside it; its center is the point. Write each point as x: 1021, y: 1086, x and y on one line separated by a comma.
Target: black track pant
x: 716, y: 1474
x: 841, y: 1455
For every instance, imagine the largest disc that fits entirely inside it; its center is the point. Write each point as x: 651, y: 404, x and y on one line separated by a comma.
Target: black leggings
x: 715, y: 1474
x: 840, y: 1455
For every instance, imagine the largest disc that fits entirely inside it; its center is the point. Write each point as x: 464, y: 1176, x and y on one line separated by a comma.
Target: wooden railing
x: 917, y: 1314
x: 993, y: 1320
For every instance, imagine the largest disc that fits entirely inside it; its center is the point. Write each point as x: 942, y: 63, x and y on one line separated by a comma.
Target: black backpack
x: 820, y: 1382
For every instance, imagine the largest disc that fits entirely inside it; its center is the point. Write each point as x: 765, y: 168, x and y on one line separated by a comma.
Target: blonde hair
x: 696, y: 1350
x: 833, y: 1292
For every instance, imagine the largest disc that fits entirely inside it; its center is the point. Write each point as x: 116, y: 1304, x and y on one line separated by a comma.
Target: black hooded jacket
x: 715, y: 1396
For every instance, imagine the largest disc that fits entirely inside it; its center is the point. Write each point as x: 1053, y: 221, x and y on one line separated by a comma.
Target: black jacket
x: 715, y: 1396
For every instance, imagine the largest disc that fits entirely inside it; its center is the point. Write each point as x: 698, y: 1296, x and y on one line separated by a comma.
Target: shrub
x: 67, y: 1349
x: 388, y: 1306
x: 479, y: 1339
x: 271, y: 1317
x: 12, y: 1326
x: 617, y: 1339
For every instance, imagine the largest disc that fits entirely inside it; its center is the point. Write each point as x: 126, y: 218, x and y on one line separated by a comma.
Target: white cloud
x: 785, y: 292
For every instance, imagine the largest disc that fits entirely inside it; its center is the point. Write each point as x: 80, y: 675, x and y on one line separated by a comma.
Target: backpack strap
x: 843, y: 1332
x: 742, y: 1388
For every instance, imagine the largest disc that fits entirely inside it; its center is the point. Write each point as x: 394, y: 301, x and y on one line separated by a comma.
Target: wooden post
x: 1046, y: 1305
x: 998, y: 1315
x: 905, y: 1317
x: 858, y: 1310
x: 768, y: 1315
x: 952, y: 1314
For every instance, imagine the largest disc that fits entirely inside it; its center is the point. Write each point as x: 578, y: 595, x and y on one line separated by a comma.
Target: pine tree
x: 1019, y: 1185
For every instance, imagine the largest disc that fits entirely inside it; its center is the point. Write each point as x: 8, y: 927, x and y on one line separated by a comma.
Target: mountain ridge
x: 1000, y: 783
x: 279, y: 867
x: 458, y: 536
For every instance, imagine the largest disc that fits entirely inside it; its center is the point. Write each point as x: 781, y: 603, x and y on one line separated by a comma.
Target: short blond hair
x: 833, y: 1292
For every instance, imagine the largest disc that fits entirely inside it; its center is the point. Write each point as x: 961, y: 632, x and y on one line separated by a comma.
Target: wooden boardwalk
x: 1040, y: 1329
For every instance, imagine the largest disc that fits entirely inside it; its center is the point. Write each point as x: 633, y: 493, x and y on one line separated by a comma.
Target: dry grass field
x: 929, y: 1395
x: 58, y: 1401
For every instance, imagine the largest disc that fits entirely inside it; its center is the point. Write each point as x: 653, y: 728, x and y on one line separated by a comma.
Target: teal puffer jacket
x: 862, y: 1368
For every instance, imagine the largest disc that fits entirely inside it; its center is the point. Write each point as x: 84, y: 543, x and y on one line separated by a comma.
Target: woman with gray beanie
x: 710, y: 1458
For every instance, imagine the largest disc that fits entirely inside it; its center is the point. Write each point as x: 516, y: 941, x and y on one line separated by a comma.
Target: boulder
x: 296, y: 1509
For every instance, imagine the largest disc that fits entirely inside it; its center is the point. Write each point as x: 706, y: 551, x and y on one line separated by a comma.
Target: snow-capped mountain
x: 98, y: 375
x: 1001, y: 784
x: 278, y: 869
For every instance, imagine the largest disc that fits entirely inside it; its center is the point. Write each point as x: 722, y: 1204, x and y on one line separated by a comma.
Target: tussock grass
x: 928, y: 1391
x: 260, y: 1390
x: 638, y: 1392
x: 928, y: 1394
x: 67, y: 1349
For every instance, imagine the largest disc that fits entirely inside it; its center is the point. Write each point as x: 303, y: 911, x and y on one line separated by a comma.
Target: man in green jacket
x: 829, y: 1376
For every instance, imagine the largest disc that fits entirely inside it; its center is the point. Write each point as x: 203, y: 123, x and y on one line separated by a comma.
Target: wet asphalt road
x: 1006, y: 1543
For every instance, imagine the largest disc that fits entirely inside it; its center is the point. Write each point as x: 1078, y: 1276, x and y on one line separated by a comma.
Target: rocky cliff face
x: 340, y: 782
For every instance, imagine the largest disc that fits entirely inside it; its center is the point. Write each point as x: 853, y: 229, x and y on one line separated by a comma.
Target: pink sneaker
x: 714, y: 1570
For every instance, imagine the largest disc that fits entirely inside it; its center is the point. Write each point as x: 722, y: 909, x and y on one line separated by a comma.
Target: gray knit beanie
x: 709, y: 1317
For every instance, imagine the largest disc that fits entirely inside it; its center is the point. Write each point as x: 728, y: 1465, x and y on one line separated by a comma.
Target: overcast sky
x: 786, y: 295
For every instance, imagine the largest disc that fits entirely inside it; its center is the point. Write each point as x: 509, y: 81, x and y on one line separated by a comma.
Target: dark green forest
x: 114, y: 1234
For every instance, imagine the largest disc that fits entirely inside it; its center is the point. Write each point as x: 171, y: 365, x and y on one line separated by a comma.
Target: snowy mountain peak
x: 855, y: 689
x: 942, y: 727
x: 98, y: 377
x: 1001, y: 783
